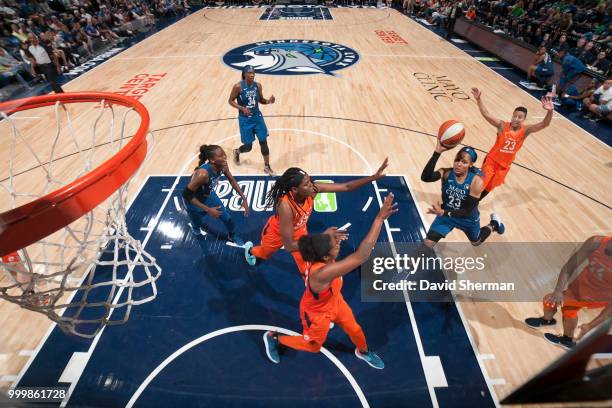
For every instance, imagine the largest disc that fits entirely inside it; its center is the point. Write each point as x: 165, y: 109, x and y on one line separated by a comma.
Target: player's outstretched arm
x: 569, y: 269
x: 263, y: 100
x: 547, y: 104
x: 236, y: 89
x: 237, y: 189
x: 322, y: 279
x: 353, y: 184
x: 285, y: 217
x: 429, y: 173
x: 499, y: 124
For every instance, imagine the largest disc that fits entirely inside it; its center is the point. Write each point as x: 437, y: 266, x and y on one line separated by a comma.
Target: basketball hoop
x: 65, y: 231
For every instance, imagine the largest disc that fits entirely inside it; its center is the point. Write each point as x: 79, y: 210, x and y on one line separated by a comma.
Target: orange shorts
x: 271, y: 242
x: 494, y: 174
x: 11, y: 258
x: 316, y: 324
x: 571, y: 307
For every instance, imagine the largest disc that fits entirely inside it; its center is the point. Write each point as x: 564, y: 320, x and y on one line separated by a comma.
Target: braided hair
x: 206, y: 153
x: 292, y: 177
x: 314, y: 247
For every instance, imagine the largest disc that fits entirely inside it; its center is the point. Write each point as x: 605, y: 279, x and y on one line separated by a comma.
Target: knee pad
x: 245, y: 148
x: 434, y: 236
x: 264, y: 148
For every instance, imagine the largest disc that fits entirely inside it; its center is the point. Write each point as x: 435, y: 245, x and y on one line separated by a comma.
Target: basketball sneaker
x: 371, y: 358
x: 271, y: 342
x: 537, y: 322
x: 236, y: 155
x: 194, y: 231
x: 268, y: 170
x: 497, y: 224
x: 251, y: 259
x: 236, y: 239
x: 564, y: 341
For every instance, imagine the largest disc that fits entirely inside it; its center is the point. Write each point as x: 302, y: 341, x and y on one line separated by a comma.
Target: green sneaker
x: 271, y: 342
x: 251, y: 259
x: 371, y: 358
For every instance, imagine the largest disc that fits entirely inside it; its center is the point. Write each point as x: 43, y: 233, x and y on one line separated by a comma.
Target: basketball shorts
x: 198, y: 216
x: 543, y: 72
x: 571, y: 307
x: 251, y: 126
x: 444, y: 225
x: 315, y: 325
x: 271, y: 242
x: 494, y: 174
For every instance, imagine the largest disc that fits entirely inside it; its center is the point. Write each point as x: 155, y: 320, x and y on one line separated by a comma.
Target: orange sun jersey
x: 595, y: 281
x: 301, y: 213
x: 507, y: 145
x: 325, y: 301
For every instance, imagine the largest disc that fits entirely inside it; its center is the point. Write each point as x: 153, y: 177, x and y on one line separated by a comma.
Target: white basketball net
x: 90, y: 273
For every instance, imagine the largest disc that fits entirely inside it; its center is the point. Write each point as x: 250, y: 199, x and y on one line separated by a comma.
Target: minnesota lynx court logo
x: 292, y: 57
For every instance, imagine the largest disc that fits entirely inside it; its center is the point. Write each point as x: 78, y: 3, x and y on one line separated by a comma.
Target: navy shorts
x: 444, y: 225
x: 251, y: 126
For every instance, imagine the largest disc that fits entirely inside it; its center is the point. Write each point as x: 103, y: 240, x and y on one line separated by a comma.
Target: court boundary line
x: 466, y: 326
x: 206, y: 17
x: 236, y: 329
x: 522, y: 166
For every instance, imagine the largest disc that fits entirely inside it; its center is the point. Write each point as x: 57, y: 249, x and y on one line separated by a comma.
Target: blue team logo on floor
x: 292, y: 57
x: 295, y: 12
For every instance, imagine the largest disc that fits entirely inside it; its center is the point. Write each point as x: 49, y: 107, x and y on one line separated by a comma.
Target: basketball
x: 451, y: 133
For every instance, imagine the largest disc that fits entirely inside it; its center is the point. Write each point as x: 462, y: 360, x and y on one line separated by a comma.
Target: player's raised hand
x: 436, y: 209
x: 380, y: 173
x: 388, y: 208
x: 547, y: 102
x: 339, y: 235
x: 440, y: 148
x: 214, y: 211
x: 245, y: 205
x: 272, y: 99
x: 476, y: 93
x: 553, y: 299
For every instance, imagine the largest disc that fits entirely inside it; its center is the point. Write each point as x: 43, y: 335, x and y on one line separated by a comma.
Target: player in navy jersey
x: 200, y: 197
x: 246, y: 96
x: 461, y: 189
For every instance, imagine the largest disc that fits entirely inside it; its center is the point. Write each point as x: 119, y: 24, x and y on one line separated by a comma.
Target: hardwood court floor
x: 388, y: 104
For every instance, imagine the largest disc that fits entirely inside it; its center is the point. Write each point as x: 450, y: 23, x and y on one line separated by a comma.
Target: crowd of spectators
x: 576, y: 32
x: 40, y: 37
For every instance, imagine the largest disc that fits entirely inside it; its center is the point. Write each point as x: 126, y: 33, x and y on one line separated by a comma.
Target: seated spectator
x: 587, y: 54
x: 575, y: 99
x: 10, y: 68
x: 471, y: 13
x: 600, y: 104
x: 571, y: 68
x: 577, y: 50
x: 561, y: 44
x: 601, y: 64
x: 19, y: 32
x: 542, y: 68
